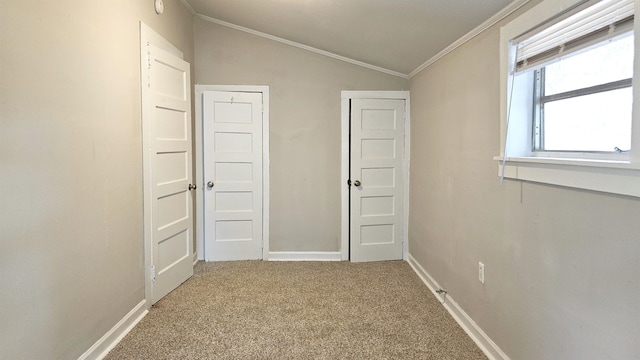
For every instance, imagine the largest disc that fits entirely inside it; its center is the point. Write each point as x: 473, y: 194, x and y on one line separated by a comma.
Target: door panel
x: 234, y: 201
x: 233, y: 164
x: 170, y: 147
x: 225, y: 142
x: 377, y: 147
x: 233, y: 173
x: 171, y: 124
x: 171, y: 250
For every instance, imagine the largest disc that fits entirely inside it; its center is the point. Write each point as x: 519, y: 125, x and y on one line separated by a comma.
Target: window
x: 584, y: 103
x: 567, y: 95
x: 582, y: 66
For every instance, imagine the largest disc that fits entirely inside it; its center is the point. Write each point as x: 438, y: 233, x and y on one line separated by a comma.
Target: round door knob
x: 357, y: 183
x: 210, y: 184
x: 192, y: 186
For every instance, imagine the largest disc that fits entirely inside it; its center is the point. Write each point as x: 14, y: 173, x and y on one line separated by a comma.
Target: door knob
x: 210, y: 184
x: 192, y: 186
x: 357, y: 183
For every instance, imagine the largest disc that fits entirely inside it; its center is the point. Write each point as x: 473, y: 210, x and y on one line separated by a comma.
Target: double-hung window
x: 583, y: 67
x: 567, y: 94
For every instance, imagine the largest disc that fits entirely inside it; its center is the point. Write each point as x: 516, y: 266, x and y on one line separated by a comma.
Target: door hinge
x: 148, y: 66
x: 148, y: 56
x: 153, y: 273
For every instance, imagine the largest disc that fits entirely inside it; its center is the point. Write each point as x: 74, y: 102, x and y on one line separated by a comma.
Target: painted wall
x: 71, y: 248
x: 562, y: 269
x: 305, y: 125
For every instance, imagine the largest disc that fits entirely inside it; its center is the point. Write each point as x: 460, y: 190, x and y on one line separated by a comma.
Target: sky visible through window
x: 595, y: 122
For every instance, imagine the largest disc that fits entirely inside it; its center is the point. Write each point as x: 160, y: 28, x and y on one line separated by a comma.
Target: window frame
x: 610, y: 172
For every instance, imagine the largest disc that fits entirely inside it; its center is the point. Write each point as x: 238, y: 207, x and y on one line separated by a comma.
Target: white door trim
x: 344, y: 172
x: 199, y: 162
x: 147, y: 35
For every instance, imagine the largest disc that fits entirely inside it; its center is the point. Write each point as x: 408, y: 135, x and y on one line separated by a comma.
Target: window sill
x: 615, y: 177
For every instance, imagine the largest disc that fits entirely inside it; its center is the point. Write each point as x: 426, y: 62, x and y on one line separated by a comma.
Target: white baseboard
x: 195, y: 259
x: 304, y: 256
x: 490, y: 349
x: 102, y: 347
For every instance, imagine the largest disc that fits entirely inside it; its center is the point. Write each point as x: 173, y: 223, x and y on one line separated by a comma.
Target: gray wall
x: 305, y: 125
x: 71, y: 249
x: 562, y: 265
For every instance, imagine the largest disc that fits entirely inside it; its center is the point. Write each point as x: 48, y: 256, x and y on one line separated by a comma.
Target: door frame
x: 346, y: 96
x: 148, y: 35
x: 199, y: 161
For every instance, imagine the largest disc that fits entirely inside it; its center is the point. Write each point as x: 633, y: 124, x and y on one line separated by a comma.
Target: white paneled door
x: 171, y: 177
x: 232, y: 175
x: 377, y: 179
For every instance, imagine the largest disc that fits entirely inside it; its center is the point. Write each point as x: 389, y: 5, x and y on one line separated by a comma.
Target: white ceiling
x: 397, y: 35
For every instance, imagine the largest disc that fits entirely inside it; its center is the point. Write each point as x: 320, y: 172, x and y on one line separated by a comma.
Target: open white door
x: 233, y: 176
x: 168, y: 128
x: 377, y: 179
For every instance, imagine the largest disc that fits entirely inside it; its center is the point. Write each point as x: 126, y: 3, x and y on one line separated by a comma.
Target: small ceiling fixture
x: 159, y: 6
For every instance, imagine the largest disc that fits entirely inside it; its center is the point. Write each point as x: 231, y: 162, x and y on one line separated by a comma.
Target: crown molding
x: 302, y: 46
x: 189, y: 7
x: 508, y: 10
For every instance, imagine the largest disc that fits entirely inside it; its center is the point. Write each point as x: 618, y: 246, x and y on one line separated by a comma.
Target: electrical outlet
x: 481, y: 272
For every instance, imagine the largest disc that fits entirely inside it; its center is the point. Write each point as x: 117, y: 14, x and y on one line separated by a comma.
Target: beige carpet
x: 299, y: 310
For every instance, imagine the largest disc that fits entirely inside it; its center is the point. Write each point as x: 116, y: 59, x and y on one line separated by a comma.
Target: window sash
x: 614, y: 85
x: 583, y: 26
x: 540, y: 99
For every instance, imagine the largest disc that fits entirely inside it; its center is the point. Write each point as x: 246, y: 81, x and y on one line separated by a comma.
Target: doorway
x: 232, y: 164
x: 375, y: 168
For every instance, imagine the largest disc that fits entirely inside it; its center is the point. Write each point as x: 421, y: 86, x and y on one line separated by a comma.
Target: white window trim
x: 612, y: 176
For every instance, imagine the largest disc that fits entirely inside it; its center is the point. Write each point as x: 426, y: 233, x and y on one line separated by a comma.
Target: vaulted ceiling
x: 397, y: 35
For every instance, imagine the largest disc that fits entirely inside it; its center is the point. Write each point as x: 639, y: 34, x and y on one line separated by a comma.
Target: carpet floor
x: 299, y: 310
